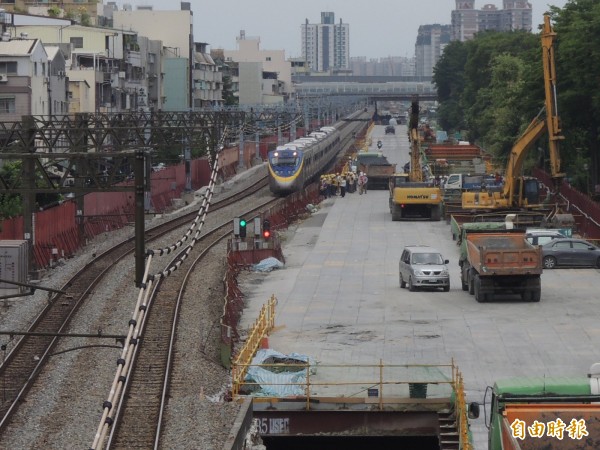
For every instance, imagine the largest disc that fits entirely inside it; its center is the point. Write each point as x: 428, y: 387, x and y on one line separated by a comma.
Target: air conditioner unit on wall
x: 3, y: 78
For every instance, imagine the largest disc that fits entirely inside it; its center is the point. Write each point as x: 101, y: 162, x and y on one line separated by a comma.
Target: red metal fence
x: 57, y: 230
x: 585, y: 210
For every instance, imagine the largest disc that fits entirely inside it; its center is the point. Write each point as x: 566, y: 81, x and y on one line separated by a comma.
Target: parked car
x: 422, y: 266
x: 570, y: 253
x: 390, y: 129
x: 541, y: 237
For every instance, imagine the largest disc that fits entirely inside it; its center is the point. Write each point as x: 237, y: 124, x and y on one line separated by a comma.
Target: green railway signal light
x: 242, y: 228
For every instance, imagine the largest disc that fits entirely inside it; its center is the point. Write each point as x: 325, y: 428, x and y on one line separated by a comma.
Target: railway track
x: 138, y: 420
x: 30, y: 354
x: 139, y: 416
x: 27, y: 358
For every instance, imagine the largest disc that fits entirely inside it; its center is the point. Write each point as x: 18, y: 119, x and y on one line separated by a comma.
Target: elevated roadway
x: 339, y: 301
x: 376, y: 88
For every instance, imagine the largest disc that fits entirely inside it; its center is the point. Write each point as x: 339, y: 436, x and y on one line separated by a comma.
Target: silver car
x: 422, y: 266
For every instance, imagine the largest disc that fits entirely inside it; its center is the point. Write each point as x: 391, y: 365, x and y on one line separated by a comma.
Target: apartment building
x: 175, y: 30
x: 24, y: 82
x: 431, y: 41
x: 466, y: 20
x: 264, y: 76
x: 326, y: 45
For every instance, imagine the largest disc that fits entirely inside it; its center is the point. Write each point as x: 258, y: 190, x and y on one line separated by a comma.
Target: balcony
x: 134, y: 58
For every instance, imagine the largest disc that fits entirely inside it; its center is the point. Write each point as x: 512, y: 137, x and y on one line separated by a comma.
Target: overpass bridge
x: 374, y: 87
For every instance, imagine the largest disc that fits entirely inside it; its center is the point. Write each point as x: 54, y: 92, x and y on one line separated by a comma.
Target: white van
x: 541, y: 236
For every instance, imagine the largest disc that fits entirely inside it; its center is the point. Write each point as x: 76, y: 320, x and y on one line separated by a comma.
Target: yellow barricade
x: 260, y: 330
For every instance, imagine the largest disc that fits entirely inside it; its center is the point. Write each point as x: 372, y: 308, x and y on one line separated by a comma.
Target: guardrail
x: 260, y: 330
x: 360, y: 381
x: 462, y: 418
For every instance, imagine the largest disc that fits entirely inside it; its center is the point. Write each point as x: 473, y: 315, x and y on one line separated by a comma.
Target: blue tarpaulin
x: 274, y: 382
x: 268, y: 264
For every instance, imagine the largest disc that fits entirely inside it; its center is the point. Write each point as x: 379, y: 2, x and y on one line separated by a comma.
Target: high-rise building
x: 466, y: 20
x: 391, y: 66
x: 431, y: 41
x: 326, y: 45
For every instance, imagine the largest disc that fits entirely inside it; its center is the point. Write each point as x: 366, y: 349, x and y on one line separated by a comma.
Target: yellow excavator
x: 410, y: 196
x: 521, y: 192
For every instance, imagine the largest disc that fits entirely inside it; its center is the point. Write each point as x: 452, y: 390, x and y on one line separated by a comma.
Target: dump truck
x: 545, y: 413
x: 500, y: 262
x: 377, y: 168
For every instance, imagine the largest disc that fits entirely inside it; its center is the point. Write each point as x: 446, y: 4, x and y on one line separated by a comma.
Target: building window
x: 268, y: 58
x: 7, y: 105
x: 8, y: 67
x: 77, y: 42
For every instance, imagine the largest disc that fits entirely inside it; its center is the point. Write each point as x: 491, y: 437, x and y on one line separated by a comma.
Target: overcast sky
x: 378, y: 28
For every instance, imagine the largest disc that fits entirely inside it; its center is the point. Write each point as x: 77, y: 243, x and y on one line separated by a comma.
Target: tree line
x: 491, y: 87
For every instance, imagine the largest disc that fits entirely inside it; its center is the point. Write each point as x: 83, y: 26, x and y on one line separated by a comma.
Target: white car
x: 541, y: 237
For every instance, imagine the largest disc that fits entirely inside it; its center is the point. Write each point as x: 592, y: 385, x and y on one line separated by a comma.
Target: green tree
x: 493, y: 86
x: 499, y: 120
x: 479, y: 66
x: 464, y: 73
x: 86, y: 19
x: 54, y: 11
x: 11, y: 205
x: 228, y: 97
x: 578, y: 73
x: 448, y: 77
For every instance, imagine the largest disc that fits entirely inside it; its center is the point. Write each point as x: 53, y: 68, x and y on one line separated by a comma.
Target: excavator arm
x: 552, y: 119
x: 537, y: 126
x: 514, y: 193
x: 416, y: 172
x: 517, y: 156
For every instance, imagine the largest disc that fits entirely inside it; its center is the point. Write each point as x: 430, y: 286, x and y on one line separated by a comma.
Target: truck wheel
x: 470, y: 281
x: 535, y: 295
x: 477, y: 288
x: 465, y: 286
x: 396, y: 212
x: 549, y: 262
x: 402, y: 282
x: 411, y: 286
x: 447, y: 288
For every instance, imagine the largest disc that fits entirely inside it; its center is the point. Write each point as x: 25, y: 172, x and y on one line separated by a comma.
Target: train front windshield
x: 285, y: 159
